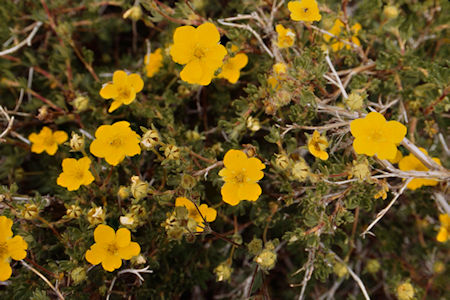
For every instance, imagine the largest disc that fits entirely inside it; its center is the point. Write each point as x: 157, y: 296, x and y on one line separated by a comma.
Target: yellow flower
x: 241, y: 175
x: 374, y: 136
x: 274, y: 81
x: 10, y: 247
x: 199, y: 50
x: 47, y: 140
x: 412, y: 163
x: 279, y: 68
x: 209, y: 214
x: 114, y: 142
x: 286, y: 36
x: 231, y: 69
x: 153, y: 63
x: 75, y: 173
x: 444, y: 231
x: 405, y: 291
x: 317, y: 145
x: 336, y: 30
x: 111, y: 247
x: 304, y: 10
x: 122, y: 90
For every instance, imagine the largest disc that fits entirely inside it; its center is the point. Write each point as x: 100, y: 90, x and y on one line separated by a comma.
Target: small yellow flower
x: 279, y: 68
x: 199, y: 50
x: 122, y: 89
x: 412, y: 163
x: 10, y: 247
x: 374, y: 136
x: 317, y: 145
x: 153, y: 63
x: 75, y: 173
x: 241, y: 175
x: 304, y: 10
x: 231, y: 69
x: 336, y: 30
x: 444, y: 231
x: 114, y: 142
x: 286, y: 36
x: 274, y: 81
x: 209, y: 214
x: 47, y: 140
x: 111, y: 247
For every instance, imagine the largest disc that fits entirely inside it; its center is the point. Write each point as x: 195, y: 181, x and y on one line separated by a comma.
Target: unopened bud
x: 73, y: 212
x: 139, y: 188
x: 390, y: 12
x: 134, y: 13
x: 150, y: 139
x: 81, y: 103
x: 253, y: 124
x: 96, y: 215
x: 77, y: 142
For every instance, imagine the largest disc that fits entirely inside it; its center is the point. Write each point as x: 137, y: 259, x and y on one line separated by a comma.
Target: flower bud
x: 172, y: 152
x: 266, y: 259
x: 405, y: 291
x: 354, y: 101
x: 128, y: 221
x: 223, y: 271
x: 255, y: 246
x: 390, y: 12
x: 42, y: 112
x: 73, y: 212
x: 283, y: 98
x: 193, y: 135
x: 187, y: 181
x: 253, y: 124
x: 281, y: 161
x: 300, y: 171
x: 373, y: 266
x: 81, y: 103
x: 361, y: 170
x: 96, y: 215
x: 78, y: 275
x: 438, y: 267
x: 138, y: 260
x: 30, y: 211
x: 340, y: 269
x: 150, y: 139
x: 134, y: 13
x: 77, y: 142
x: 139, y: 188
x: 123, y: 192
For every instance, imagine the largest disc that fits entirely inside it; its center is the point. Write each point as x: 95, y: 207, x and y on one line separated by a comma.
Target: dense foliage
x: 332, y: 214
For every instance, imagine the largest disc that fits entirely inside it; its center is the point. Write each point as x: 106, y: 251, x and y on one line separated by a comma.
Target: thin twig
x: 381, y: 214
x: 26, y: 41
x: 57, y: 292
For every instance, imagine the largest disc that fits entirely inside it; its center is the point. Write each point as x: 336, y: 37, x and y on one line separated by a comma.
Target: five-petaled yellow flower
x: 10, y: 247
x: 75, y: 173
x: 199, y: 50
x: 286, y: 36
x: 122, y: 89
x: 241, y: 175
x: 304, y: 10
x: 412, y: 163
x: 444, y: 231
x: 317, y: 145
x: 153, y: 62
x: 336, y: 30
x: 375, y: 136
x: 209, y: 214
x: 111, y: 247
x: 47, y: 140
x: 114, y: 142
x: 231, y: 69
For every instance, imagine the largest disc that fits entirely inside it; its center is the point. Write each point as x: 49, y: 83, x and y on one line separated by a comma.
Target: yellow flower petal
x: 229, y: 193
x: 131, y: 250
x: 123, y: 237
x: 233, y: 159
x: 208, y: 213
x: 395, y: 131
x: 136, y: 82
x: 192, y: 72
x: 207, y: 34
x: 119, y: 77
x: 17, y: 247
x: 183, y: 40
x: 250, y: 191
x: 442, y: 235
x: 104, y: 234
x: 5, y: 228
x: 60, y: 136
x: 111, y: 262
x: 109, y: 91
x: 5, y: 271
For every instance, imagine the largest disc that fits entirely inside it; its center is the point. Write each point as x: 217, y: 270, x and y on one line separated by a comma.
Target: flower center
x: 116, y: 142
x: 3, y: 250
x: 239, y: 177
x: 112, y: 248
x: 305, y: 10
x: 124, y: 93
x: 49, y: 141
x: 376, y: 136
x: 199, y: 52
